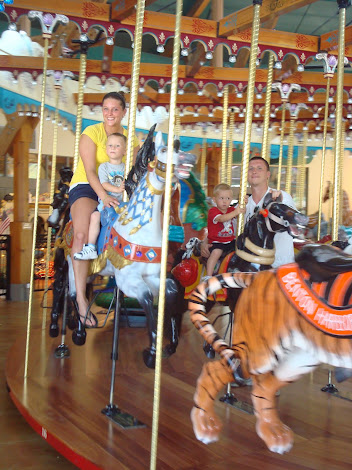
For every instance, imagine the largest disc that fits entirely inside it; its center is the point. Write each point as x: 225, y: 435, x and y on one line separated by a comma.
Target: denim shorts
x: 81, y: 190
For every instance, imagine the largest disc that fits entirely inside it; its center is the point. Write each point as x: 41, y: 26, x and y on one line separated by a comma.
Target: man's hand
x: 275, y: 193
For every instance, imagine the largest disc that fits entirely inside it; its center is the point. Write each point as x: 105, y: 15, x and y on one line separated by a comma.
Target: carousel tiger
x: 274, y: 336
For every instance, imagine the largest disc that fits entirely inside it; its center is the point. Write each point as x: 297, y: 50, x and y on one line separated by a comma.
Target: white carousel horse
x: 132, y: 245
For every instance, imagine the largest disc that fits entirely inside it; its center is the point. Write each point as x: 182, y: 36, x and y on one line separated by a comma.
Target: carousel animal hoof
x: 53, y: 330
x: 71, y: 322
x: 209, y: 350
x: 169, y: 350
x: 149, y: 358
x: 79, y: 337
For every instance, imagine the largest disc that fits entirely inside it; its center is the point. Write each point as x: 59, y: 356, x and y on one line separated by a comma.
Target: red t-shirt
x: 222, y: 232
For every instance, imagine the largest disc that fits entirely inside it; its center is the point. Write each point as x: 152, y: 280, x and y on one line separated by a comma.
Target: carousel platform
x: 63, y: 399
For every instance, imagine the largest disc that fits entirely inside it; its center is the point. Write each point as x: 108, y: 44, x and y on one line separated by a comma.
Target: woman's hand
x: 110, y: 201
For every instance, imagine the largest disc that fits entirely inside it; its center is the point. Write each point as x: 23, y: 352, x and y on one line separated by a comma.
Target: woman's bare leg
x: 94, y: 228
x: 81, y: 211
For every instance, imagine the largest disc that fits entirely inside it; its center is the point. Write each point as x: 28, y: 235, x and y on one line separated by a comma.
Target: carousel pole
x: 112, y: 411
x: 342, y: 4
x: 343, y: 136
x: 265, y: 144
x: 52, y: 190
x: 285, y: 91
x: 225, y: 114
x: 330, y: 63
x: 249, y: 110
x: 288, y: 181
x: 136, y: 60
x: 202, y: 161
x: 302, y: 167
x: 165, y: 241
x: 82, y: 78
x: 48, y: 23
x: 230, y: 149
x: 282, y: 135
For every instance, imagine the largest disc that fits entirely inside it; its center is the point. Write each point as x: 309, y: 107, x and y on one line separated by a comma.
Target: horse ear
x: 177, y: 145
x: 159, y: 140
x: 267, y: 199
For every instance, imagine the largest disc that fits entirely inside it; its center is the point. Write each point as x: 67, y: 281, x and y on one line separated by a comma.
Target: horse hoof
x: 169, y: 350
x: 79, y: 338
x: 53, y: 331
x: 149, y: 358
x: 209, y: 351
x: 71, y: 322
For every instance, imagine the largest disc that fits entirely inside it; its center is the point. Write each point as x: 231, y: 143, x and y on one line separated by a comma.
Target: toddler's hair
x: 118, y: 134
x: 221, y: 187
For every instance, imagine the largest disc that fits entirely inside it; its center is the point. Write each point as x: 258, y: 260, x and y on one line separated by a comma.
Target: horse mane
x: 145, y: 155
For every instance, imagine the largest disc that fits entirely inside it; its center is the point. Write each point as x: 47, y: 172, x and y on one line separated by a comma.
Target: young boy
x: 111, y: 175
x: 221, y: 225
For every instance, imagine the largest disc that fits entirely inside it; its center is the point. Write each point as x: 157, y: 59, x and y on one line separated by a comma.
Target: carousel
x: 183, y: 372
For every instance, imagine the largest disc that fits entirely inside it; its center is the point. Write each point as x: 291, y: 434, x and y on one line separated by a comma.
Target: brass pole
x: 266, y: 123
x: 39, y: 163
x: 322, y: 172
x: 249, y: 109
x: 202, y: 163
x: 339, y: 106
x: 302, y: 168
x: 279, y: 170
x: 165, y: 235
x: 178, y: 123
x: 136, y: 61
x: 51, y: 196
x: 343, y: 134
x: 230, y: 150
x: 224, y: 134
x: 288, y: 182
x: 81, y: 81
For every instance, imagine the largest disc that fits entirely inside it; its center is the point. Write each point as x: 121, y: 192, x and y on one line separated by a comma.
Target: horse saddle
x: 323, y: 262
x: 327, y: 305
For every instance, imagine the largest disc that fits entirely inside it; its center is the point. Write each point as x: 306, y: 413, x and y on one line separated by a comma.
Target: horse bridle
x: 274, y: 218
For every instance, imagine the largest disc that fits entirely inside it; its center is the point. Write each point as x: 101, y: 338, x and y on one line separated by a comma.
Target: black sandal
x: 90, y: 317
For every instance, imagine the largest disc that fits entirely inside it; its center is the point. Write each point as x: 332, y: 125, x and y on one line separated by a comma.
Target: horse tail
x: 196, y: 306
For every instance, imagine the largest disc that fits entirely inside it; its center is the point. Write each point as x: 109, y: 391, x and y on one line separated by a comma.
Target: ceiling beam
x: 197, y: 8
x: 78, y: 8
x: 121, y: 9
x: 8, y: 62
x: 330, y: 40
x: 243, y: 19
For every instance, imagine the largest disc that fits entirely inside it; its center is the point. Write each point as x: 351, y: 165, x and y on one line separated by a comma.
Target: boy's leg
x: 212, y: 260
x: 94, y: 228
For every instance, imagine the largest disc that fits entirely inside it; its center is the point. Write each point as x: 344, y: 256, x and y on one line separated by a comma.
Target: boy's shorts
x: 225, y: 247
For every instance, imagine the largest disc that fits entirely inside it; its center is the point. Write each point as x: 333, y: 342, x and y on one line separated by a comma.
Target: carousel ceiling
x: 214, y: 54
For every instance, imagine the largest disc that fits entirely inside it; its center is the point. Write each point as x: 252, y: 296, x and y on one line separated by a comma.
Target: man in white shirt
x: 258, y: 178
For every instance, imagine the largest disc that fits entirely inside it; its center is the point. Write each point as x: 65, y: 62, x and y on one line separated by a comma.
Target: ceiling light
x: 232, y: 59
x: 310, y: 98
x: 239, y: 94
x: 220, y: 93
x: 259, y: 96
x: 184, y: 52
x: 160, y: 48
x: 300, y: 68
x: 278, y: 65
x: 208, y: 55
x: 180, y: 91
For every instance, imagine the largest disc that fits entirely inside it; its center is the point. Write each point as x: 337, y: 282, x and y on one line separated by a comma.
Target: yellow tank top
x: 97, y: 133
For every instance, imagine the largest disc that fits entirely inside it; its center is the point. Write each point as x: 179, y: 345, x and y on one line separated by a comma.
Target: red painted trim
x: 63, y: 449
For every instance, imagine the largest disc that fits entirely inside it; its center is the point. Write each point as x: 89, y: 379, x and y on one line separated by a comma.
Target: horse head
x: 182, y: 162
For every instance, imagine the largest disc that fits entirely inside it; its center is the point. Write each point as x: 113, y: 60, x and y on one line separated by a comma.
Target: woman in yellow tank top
x: 85, y: 188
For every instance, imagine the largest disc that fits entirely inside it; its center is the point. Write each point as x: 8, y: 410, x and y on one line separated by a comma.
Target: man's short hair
x: 221, y: 187
x: 263, y: 160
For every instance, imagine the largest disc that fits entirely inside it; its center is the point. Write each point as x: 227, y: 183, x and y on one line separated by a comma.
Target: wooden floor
x: 63, y: 399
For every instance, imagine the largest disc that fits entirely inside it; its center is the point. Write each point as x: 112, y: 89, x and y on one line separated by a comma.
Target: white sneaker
x: 87, y: 252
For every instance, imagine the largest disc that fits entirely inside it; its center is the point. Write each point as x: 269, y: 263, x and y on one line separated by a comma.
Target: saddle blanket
x: 326, y: 305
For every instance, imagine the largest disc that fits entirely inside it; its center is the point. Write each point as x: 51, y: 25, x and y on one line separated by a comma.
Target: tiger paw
x: 206, y: 425
x: 277, y: 436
